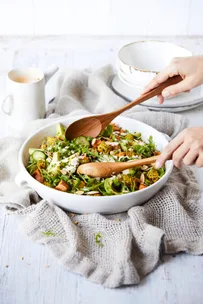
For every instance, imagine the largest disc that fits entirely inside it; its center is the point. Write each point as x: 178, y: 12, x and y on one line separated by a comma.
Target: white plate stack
x: 139, y: 62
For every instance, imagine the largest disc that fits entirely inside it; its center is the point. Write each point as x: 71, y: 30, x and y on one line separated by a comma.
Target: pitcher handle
x: 50, y: 72
x: 9, y: 111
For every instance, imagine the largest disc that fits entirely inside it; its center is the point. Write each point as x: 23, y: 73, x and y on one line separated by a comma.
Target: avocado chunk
x: 60, y: 131
x: 54, y: 166
x: 56, y: 157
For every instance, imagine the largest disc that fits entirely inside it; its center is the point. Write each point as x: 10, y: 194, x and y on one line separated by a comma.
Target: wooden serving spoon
x: 105, y: 169
x: 94, y: 125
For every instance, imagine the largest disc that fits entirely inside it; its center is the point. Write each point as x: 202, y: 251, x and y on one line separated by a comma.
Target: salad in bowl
x: 48, y: 163
x: 55, y: 162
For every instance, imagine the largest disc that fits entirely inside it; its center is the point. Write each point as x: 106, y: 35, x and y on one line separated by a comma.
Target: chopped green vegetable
x: 161, y: 172
x: 82, y: 140
x: 137, y: 135
x: 123, y: 146
x: 108, y: 131
x: 112, y: 187
x: 129, y: 137
x: 32, y: 150
x: 37, y: 155
x: 32, y: 167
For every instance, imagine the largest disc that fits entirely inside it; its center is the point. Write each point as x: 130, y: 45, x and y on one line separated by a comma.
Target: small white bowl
x: 140, y: 61
x: 91, y: 204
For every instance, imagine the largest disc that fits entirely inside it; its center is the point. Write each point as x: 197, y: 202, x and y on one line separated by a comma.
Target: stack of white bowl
x: 139, y: 62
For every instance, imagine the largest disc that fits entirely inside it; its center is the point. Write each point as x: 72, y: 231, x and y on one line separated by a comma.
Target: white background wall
x: 101, y: 17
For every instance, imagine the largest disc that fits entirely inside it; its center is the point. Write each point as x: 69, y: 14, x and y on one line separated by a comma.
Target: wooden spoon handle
x: 137, y: 162
x: 107, y: 168
x: 150, y: 94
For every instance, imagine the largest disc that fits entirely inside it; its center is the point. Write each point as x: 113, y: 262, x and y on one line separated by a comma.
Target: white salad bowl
x: 91, y: 204
x: 140, y: 61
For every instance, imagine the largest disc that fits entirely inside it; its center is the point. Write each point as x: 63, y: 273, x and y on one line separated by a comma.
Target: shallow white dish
x: 92, y: 204
x: 130, y: 92
x: 125, y: 79
x: 140, y: 61
x: 175, y: 109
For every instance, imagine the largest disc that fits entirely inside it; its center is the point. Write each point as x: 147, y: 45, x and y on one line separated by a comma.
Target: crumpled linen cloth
x: 131, y: 243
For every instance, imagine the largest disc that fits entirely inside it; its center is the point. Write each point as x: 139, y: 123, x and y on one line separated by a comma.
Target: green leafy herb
x: 98, y: 239
x: 48, y: 233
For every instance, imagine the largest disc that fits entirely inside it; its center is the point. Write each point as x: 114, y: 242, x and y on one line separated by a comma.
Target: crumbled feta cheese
x: 107, y: 158
x: 72, y: 163
x: 69, y: 169
x: 112, y: 143
x: 126, y: 171
x: 65, y: 160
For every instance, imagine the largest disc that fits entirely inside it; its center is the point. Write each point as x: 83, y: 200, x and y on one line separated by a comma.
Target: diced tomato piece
x: 142, y: 186
x: 115, y: 127
x: 37, y: 175
x: 120, y: 154
x: 81, y: 185
x: 97, y: 143
x: 62, y: 186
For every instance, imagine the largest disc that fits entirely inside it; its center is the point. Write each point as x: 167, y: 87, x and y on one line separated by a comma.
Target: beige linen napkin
x: 132, y: 242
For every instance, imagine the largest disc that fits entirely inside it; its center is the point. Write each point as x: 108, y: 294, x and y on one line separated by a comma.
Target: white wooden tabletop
x: 28, y: 273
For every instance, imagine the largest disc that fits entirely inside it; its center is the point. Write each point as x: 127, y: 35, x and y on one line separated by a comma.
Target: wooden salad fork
x: 94, y: 125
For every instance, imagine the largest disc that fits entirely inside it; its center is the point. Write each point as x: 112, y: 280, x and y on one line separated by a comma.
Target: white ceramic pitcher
x: 26, y: 95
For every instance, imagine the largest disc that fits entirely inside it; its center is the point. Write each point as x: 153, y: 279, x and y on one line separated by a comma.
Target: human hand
x: 189, y: 68
x: 185, y: 148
